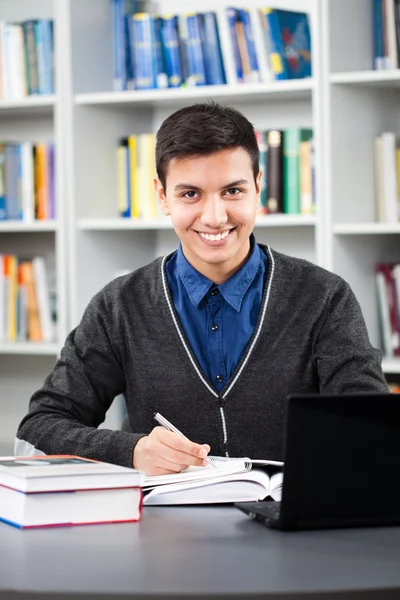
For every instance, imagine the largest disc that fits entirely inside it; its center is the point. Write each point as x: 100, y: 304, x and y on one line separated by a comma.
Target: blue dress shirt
x: 218, y: 320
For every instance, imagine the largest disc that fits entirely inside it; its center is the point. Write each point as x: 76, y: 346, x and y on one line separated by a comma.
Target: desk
x: 198, y: 552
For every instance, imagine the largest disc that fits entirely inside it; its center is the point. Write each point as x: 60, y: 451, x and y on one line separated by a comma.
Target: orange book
x: 34, y: 327
x: 41, y: 178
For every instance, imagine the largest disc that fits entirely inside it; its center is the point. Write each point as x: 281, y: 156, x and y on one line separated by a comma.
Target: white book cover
x: 378, y: 167
x: 391, y: 59
x: 42, y: 294
x: 389, y: 177
x: 4, y: 34
x: 261, y: 45
x: 64, y: 472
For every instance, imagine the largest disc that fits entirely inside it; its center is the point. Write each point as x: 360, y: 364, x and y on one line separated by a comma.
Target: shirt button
x: 214, y: 292
x: 219, y: 378
x: 214, y: 327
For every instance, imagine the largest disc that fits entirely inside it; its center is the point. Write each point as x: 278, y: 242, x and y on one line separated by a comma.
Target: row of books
x: 160, y: 51
x: 387, y: 178
x: 386, y: 34
x: 27, y: 181
x: 26, y: 303
x: 286, y: 161
x: 388, y: 291
x: 26, y: 58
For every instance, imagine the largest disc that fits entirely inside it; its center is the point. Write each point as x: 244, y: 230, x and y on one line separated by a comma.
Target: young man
x: 213, y: 336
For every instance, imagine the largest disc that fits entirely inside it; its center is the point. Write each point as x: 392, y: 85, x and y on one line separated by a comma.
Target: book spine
x: 123, y: 197
x: 11, y: 180
x: 143, y: 52
x: 51, y: 181
x: 391, y: 35
x: 3, y: 197
x: 389, y: 177
x: 291, y: 171
x: 31, y: 57
x: 34, y: 327
x: 46, y: 26
x: 27, y: 192
x: 213, y: 62
x: 118, y: 45
x: 159, y: 51
x: 379, y: 51
x: 231, y: 15
x: 275, y: 172
x: 261, y: 45
x: 129, y: 60
x: 169, y: 37
x: 306, y: 182
x: 12, y: 272
x: 397, y: 22
x: 134, y: 200
x: 2, y: 299
x: 197, y: 74
x: 180, y: 24
x: 40, y: 57
x: 22, y: 334
x: 42, y: 293
x: 277, y: 60
x: 254, y: 74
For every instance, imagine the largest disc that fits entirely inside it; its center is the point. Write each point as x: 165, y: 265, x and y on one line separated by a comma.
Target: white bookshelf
x: 360, y: 103
x: 23, y: 366
x: 345, y: 102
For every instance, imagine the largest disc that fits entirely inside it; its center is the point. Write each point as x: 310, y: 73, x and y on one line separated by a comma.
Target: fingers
x: 179, y: 450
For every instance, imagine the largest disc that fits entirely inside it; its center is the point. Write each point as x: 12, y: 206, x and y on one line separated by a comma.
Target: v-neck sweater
x: 310, y: 338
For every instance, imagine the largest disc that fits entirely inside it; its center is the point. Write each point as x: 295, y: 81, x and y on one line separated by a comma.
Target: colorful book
x: 292, y: 138
x: 275, y: 171
x: 170, y: 42
x: 144, y: 55
x: 213, y: 61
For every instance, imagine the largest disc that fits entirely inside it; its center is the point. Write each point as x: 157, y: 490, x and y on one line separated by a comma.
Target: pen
x: 163, y: 421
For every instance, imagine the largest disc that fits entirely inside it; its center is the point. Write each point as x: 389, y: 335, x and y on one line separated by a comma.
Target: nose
x: 214, y: 212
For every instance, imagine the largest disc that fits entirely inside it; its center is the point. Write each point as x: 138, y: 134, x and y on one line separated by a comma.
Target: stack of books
x: 27, y: 182
x: 161, y: 51
x: 46, y: 491
x: 26, y: 59
x: 27, y: 301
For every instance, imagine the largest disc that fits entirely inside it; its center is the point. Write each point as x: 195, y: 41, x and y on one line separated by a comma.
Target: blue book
x: 48, y: 76
x: 119, y: 46
x: 41, y: 67
x: 12, y: 171
x: 197, y: 72
x: 143, y: 46
x: 180, y: 24
x: 232, y: 17
x: 379, y: 43
x: 254, y: 74
x: 3, y: 203
x: 290, y: 52
x: 213, y: 62
x: 170, y: 42
x: 160, y: 55
x: 129, y: 61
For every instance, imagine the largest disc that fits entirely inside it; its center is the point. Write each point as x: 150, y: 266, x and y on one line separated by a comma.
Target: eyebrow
x: 189, y: 186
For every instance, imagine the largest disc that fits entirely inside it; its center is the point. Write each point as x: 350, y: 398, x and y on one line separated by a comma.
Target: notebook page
x: 199, y: 473
x: 253, y: 461
x: 241, y: 487
x: 276, y: 484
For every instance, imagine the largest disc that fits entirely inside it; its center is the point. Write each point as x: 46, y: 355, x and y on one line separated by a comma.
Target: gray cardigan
x: 310, y: 337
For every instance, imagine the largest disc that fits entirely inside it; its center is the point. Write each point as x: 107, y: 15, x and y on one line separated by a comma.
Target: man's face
x: 212, y: 201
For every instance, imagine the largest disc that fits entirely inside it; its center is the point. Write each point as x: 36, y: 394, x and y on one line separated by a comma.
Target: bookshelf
x: 360, y: 103
x: 345, y: 102
x: 24, y: 365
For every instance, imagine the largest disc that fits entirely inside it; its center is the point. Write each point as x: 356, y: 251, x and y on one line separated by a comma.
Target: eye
x: 233, y: 191
x: 191, y: 194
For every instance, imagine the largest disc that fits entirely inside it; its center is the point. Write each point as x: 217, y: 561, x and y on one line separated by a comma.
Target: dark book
x: 275, y: 172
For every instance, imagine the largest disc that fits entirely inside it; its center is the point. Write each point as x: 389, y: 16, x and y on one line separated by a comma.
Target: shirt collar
x: 232, y: 290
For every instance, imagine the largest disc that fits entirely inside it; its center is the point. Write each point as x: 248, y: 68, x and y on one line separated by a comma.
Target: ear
x: 161, y: 196
x: 258, y: 187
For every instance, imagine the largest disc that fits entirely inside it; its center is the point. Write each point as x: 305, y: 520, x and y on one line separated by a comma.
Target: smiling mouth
x: 219, y: 237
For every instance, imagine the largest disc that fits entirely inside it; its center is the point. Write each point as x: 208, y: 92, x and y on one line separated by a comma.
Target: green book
x: 292, y: 136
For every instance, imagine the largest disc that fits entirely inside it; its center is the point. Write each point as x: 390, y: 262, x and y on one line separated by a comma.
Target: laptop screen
x: 342, y: 458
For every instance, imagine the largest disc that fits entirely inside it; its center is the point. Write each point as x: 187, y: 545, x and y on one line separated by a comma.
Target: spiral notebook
x: 235, y: 480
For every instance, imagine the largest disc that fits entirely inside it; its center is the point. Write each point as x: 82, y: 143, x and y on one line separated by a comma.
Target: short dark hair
x: 201, y: 130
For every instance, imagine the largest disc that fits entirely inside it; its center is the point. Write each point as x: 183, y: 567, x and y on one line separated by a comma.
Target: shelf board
x: 294, y: 88
x: 366, y: 228
x: 132, y: 224
x: 28, y: 105
x: 368, y: 78
x: 31, y: 348
x: 391, y: 365
x: 21, y: 226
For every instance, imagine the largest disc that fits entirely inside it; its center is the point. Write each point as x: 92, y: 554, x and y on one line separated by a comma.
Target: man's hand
x: 163, y: 451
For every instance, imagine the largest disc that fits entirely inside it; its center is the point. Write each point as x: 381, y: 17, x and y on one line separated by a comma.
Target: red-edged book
x: 64, y: 490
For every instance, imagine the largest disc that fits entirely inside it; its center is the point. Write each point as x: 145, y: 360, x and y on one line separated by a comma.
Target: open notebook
x: 235, y: 480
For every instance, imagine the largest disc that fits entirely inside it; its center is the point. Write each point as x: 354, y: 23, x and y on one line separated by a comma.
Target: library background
x: 84, y: 85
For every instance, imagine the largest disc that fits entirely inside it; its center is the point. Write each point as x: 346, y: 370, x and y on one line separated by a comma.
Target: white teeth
x: 215, y: 238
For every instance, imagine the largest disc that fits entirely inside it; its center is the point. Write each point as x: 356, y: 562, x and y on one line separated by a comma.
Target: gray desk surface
x: 194, y: 552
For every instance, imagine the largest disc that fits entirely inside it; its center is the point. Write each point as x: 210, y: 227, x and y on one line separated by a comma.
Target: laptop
x: 341, y: 466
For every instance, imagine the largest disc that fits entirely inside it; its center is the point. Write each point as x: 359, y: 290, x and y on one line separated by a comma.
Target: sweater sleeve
x: 65, y: 412
x: 345, y: 360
